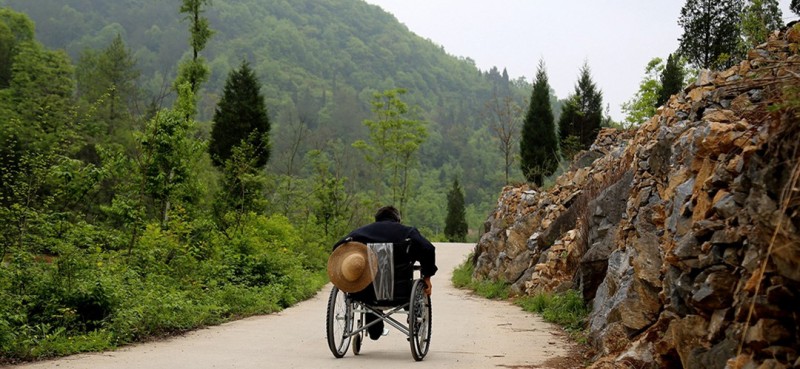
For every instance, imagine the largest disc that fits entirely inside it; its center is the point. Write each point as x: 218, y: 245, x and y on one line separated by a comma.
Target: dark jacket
x: 419, y: 249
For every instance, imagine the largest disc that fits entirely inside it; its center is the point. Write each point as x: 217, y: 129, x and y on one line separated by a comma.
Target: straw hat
x: 352, y: 266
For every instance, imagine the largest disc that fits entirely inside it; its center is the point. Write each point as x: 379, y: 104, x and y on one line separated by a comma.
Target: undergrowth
x: 565, y: 309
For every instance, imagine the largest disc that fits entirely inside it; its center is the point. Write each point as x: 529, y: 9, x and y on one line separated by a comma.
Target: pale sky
x: 616, y: 37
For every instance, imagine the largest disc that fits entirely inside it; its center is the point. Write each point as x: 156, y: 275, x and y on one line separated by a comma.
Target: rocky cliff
x: 682, y: 234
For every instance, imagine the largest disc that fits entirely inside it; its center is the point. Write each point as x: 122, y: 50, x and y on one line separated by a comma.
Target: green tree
x: 455, y: 225
x: 672, y: 79
x: 243, y: 184
x: 504, y: 115
x: 195, y: 71
x: 582, y: 115
x: 15, y: 28
x: 795, y: 6
x: 711, y: 32
x: 760, y: 17
x: 169, y: 156
x: 240, y: 116
x: 41, y: 92
x: 538, y: 146
x: 643, y: 105
x: 330, y: 205
x: 110, y: 78
x: 394, y: 140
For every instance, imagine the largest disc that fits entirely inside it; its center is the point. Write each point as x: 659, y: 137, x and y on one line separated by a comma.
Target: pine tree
x: 795, y: 6
x: 671, y: 79
x: 539, y: 143
x: 241, y: 115
x: 455, y: 228
x: 711, y: 32
x: 760, y: 17
x: 581, y: 115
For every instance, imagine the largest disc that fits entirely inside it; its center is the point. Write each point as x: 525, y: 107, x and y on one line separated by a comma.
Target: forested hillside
x: 134, y: 201
x: 320, y: 62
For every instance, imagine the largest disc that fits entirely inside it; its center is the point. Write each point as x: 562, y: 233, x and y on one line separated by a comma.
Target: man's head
x: 389, y: 213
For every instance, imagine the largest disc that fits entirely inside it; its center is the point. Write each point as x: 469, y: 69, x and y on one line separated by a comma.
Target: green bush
x: 86, y: 297
x: 566, y: 309
x: 462, y: 278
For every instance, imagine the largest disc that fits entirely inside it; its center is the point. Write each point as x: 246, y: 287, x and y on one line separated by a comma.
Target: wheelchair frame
x: 345, y: 321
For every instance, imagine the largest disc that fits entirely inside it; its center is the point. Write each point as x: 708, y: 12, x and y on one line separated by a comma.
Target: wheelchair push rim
x: 339, y: 323
x: 420, y: 321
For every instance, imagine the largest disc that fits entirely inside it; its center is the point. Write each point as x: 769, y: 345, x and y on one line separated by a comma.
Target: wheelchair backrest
x: 394, y: 272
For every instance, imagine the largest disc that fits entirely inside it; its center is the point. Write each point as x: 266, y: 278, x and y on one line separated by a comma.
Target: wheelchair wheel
x: 419, y: 326
x: 339, y: 323
x: 358, y: 338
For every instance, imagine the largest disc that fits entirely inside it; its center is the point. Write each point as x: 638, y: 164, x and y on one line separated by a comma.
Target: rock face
x: 682, y: 235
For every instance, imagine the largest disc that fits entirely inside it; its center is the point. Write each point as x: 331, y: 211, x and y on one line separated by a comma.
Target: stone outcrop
x: 682, y: 234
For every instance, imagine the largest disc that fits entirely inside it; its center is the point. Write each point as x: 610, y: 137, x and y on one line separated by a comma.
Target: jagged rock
x: 707, y: 227
x: 725, y: 206
x: 715, y: 289
x: 765, y: 333
x: 672, y: 268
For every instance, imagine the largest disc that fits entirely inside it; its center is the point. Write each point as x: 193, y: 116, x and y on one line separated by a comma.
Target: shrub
x: 462, y: 278
x: 566, y: 309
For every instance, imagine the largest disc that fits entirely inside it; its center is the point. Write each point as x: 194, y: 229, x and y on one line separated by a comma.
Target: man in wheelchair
x: 395, y: 248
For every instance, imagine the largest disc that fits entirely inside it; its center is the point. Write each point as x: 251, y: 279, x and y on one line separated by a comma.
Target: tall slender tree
x: 394, y: 140
x: 671, y: 79
x: 455, y: 225
x: 711, y: 32
x: 582, y: 115
x: 538, y: 146
x: 195, y: 71
x: 760, y: 17
x: 241, y: 115
x: 170, y: 150
x: 504, y: 116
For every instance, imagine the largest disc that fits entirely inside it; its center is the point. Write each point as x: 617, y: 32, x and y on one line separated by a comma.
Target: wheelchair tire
x: 420, y: 320
x: 339, y: 323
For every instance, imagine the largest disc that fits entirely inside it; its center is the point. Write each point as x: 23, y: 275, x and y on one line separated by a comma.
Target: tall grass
x: 462, y: 278
x: 565, y: 309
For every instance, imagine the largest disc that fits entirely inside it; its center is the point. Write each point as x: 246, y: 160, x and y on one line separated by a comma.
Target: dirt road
x: 468, y: 332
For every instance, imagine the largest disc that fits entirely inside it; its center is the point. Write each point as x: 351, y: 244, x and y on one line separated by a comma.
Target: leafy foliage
x: 711, y: 32
x: 394, y: 139
x: 760, y: 17
x: 643, y: 105
x: 107, y: 240
x: 319, y: 63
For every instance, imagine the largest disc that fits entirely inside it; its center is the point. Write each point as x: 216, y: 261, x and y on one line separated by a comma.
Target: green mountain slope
x: 320, y: 61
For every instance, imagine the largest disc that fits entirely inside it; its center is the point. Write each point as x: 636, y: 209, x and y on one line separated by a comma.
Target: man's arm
x: 424, y: 252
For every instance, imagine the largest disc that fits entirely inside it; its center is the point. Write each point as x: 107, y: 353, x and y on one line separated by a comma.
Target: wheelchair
x: 346, y: 316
